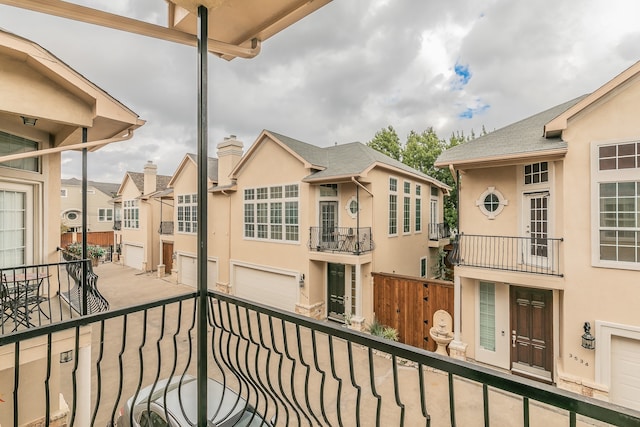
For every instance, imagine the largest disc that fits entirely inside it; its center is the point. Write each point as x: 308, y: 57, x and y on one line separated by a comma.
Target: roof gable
x: 189, y: 158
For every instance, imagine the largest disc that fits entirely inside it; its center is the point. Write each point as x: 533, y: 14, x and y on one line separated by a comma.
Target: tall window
x: 187, y: 213
x: 131, y: 214
x: 105, y: 214
x: 618, y: 185
x: 11, y: 144
x: 406, y: 223
x: 418, y: 208
x: 423, y: 267
x: 488, y: 316
x: 271, y: 213
x: 393, y: 206
x: 353, y: 290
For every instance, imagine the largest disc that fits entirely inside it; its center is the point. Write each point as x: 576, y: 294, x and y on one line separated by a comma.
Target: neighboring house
x: 44, y: 105
x: 184, y: 185
x: 550, y: 224
x: 302, y: 228
x: 142, y: 196
x: 100, y: 205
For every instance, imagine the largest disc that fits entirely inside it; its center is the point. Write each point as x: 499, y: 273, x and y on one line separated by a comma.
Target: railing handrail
x: 543, y: 393
x: 355, y: 240
x: 524, y: 254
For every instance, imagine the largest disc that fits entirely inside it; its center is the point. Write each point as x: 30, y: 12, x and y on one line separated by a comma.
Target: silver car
x: 225, y: 407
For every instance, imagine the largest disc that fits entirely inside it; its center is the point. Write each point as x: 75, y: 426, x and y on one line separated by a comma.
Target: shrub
x: 378, y: 329
x: 92, y: 251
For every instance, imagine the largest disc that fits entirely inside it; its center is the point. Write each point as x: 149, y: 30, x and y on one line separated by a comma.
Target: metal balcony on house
x: 348, y: 240
x: 166, y: 227
x: 293, y: 370
x: 439, y: 231
x: 43, y: 294
x: 536, y: 255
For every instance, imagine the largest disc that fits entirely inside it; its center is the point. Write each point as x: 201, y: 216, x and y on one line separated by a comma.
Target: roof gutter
x: 38, y: 153
x: 506, y: 159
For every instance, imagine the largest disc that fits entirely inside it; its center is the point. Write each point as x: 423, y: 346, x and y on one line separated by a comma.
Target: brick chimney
x: 229, y: 154
x: 150, y: 177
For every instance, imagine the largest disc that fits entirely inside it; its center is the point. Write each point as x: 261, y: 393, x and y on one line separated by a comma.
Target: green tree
x: 386, y: 141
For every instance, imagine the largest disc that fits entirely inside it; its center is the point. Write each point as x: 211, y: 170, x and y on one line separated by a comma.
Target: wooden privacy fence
x: 97, y: 238
x: 408, y: 303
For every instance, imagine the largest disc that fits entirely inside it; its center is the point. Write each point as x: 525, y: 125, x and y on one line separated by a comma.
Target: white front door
x: 536, y: 250
x: 16, y: 225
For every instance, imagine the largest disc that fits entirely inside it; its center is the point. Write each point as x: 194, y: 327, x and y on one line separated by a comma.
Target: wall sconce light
x: 29, y: 121
x: 588, y: 340
x: 66, y: 356
x: 301, y: 281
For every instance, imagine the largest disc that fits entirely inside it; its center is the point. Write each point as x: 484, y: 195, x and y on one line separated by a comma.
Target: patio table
x: 21, y: 295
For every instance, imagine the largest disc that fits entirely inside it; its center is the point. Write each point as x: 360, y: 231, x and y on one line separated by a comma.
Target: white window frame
x: 63, y: 192
x: 105, y: 214
x: 131, y: 214
x: 272, y: 213
x: 418, y: 208
x: 501, y: 202
x: 609, y: 176
x: 187, y: 213
x: 424, y: 267
x: 392, y: 223
x: 29, y: 246
x: 406, y: 207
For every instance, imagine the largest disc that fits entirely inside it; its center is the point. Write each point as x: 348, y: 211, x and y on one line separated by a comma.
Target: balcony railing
x: 166, y: 227
x: 291, y: 369
x: 438, y: 231
x: 341, y: 239
x: 535, y: 255
x: 37, y: 295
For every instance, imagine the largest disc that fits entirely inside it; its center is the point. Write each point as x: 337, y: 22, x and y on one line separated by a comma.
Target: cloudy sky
x: 345, y: 72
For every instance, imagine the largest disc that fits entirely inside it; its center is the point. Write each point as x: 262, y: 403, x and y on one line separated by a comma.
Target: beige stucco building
x: 44, y: 107
x: 142, y: 197
x: 550, y: 240
x: 301, y: 228
x: 101, y: 212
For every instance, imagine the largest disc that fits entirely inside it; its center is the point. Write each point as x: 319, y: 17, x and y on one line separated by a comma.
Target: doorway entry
x: 335, y: 290
x: 532, y: 333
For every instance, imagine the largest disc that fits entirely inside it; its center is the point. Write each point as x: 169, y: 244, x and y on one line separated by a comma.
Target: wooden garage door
x: 266, y: 287
x: 625, y: 372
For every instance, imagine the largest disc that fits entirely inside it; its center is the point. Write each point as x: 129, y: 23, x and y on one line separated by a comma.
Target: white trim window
x: 406, y: 208
x: 12, y: 144
x: 423, y: 267
x: 105, y: 214
x: 63, y: 192
x: 616, y: 204
x: 487, y: 311
x: 393, y: 206
x: 131, y: 214
x: 536, y: 173
x: 271, y: 213
x: 187, y: 213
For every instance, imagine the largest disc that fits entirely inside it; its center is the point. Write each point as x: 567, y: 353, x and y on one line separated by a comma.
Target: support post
x: 85, y: 255
x: 203, y: 37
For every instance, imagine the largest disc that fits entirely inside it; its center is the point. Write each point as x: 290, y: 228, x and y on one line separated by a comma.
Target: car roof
x: 225, y: 406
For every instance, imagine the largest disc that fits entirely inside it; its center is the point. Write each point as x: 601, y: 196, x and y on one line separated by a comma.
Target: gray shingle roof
x: 212, y: 166
x: 523, y: 137
x: 138, y: 180
x: 345, y: 160
x: 108, y: 188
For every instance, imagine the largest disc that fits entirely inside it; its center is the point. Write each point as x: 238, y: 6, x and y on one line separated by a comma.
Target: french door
x: 16, y: 225
x: 536, y: 250
x: 328, y: 224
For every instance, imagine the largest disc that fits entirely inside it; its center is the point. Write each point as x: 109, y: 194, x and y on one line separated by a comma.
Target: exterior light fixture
x: 29, y: 121
x: 588, y: 340
x: 66, y: 356
x: 301, y: 281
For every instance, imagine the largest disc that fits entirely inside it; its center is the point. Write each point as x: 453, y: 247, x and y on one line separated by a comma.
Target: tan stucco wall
x: 96, y: 200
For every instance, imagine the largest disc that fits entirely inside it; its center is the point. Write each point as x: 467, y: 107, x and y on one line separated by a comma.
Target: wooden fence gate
x: 408, y: 303
x: 98, y: 238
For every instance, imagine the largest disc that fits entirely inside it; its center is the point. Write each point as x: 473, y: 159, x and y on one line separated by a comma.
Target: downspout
x: 83, y: 305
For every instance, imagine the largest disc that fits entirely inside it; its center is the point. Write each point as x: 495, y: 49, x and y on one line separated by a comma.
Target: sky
x: 345, y: 72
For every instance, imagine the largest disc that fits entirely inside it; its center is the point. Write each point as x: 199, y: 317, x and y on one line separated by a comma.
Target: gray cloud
x: 344, y: 72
